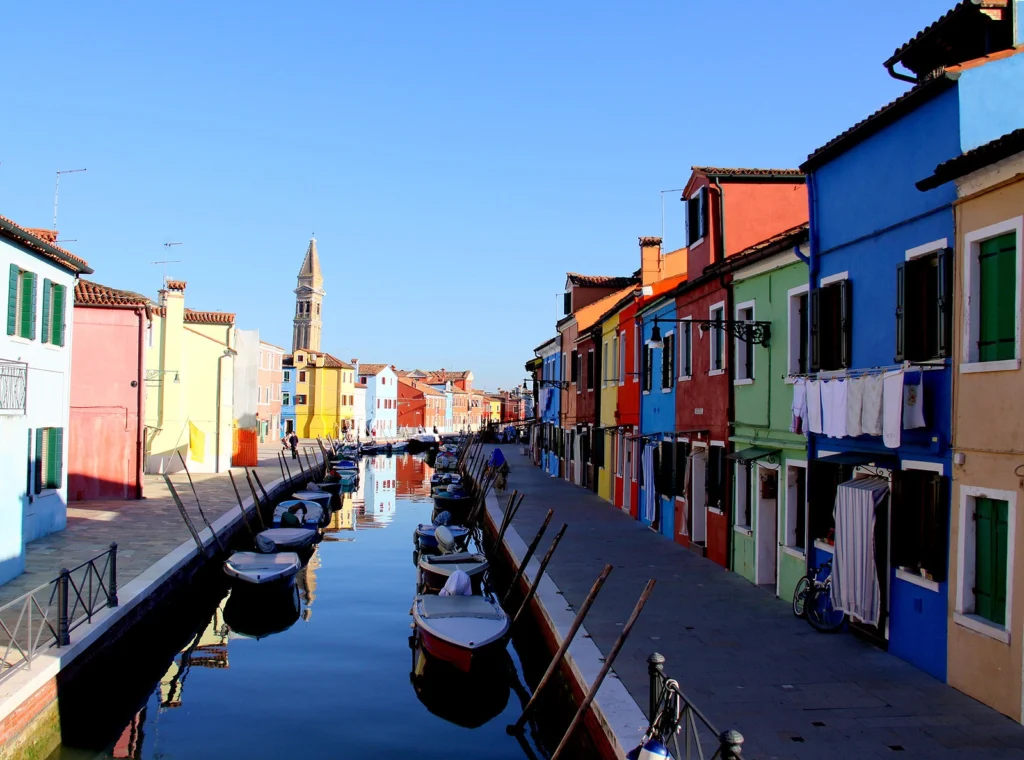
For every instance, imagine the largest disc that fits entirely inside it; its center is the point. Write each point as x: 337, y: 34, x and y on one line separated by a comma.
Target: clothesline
x: 864, y: 372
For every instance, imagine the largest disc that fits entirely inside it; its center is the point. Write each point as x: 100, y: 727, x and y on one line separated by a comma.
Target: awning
x: 751, y: 453
x: 858, y: 458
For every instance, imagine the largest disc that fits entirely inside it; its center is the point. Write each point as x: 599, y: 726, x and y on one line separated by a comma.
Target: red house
x: 105, y: 441
x: 727, y: 210
x: 411, y: 405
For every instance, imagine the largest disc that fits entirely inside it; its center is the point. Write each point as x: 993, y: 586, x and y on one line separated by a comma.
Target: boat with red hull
x: 461, y: 630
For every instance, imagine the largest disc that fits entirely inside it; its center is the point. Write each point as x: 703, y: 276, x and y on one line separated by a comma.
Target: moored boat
x: 263, y: 570
x: 457, y: 502
x: 315, y: 515
x: 424, y: 535
x: 284, y: 539
x: 332, y: 487
x: 461, y: 630
x: 435, y: 570
x: 446, y: 460
x: 423, y: 442
x: 323, y: 498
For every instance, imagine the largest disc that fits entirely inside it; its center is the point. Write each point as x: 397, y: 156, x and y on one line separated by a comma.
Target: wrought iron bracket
x: 560, y: 384
x: 758, y: 333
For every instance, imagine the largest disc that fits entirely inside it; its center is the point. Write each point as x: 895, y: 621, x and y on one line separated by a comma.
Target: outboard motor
x: 445, y: 539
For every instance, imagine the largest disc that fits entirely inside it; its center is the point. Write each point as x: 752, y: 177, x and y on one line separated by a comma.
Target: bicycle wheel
x: 821, y: 614
x: 800, y: 594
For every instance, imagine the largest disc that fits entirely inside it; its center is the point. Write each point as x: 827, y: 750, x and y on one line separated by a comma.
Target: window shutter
x: 815, y: 300
x: 985, y: 558
x: 945, y: 303
x: 12, y: 300
x: 60, y: 318
x: 707, y: 478
x: 40, y: 432
x: 28, y: 306
x: 901, y: 280
x: 56, y: 475
x: 902, y: 530
x: 46, y: 333
x: 702, y: 212
x: 937, y: 529
x: 1001, y: 538
x: 648, y: 368
x: 845, y: 324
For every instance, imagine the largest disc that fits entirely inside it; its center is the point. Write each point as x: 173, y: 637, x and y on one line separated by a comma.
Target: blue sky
x: 455, y: 159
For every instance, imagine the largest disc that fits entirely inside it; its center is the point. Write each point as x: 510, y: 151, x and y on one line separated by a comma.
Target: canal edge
x: 621, y: 718
x: 29, y: 699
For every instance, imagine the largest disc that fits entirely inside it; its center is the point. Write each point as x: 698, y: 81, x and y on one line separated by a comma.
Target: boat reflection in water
x: 257, y: 615
x: 468, y: 700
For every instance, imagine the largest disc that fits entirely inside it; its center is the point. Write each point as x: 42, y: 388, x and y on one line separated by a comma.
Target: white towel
x: 799, y: 422
x: 871, y: 413
x: 826, y: 407
x: 814, y: 406
x: 892, y: 408
x: 854, y: 406
x: 837, y: 419
x: 913, y: 404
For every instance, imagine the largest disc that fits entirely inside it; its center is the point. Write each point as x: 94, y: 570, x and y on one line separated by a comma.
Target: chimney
x: 47, y: 236
x: 650, y: 260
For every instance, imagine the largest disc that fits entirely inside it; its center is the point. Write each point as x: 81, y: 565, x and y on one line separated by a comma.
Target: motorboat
x: 446, y: 460
x: 347, y: 477
x: 263, y: 570
x: 399, y: 445
x: 444, y: 479
x: 332, y: 487
x: 323, y: 498
x: 436, y: 569
x: 284, y: 539
x: 256, y: 615
x: 349, y: 451
x: 423, y: 442
x: 345, y: 464
x: 316, y: 515
x: 369, y: 449
x: 455, y: 500
x: 425, y: 535
x: 461, y: 630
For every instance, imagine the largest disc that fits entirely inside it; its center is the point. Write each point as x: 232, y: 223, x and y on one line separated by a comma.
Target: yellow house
x: 495, y: 404
x: 324, y: 394
x: 189, y: 380
x: 609, y: 400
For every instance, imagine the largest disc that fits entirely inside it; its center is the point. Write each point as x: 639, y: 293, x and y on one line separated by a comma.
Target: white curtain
x: 855, y: 588
x: 649, y: 490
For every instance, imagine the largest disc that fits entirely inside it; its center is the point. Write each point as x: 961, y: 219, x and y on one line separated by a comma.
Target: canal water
x: 327, y: 673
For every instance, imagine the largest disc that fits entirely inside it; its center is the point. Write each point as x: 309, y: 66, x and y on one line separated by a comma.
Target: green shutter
x: 59, y: 295
x: 40, y: 432
x: 47, y: 290
x: 997, y: 262
x: 56, y: 459
x: 27, y: 329
x: 990, y: 546
x: 12, y: 300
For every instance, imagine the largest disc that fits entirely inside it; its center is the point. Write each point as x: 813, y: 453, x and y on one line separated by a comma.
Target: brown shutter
x: 815, y: 301
x: 845, y: 324
x: 944, y: 344
x: 901, y: 277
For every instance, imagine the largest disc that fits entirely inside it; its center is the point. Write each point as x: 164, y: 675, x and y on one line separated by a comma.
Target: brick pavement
x: 740, y: 654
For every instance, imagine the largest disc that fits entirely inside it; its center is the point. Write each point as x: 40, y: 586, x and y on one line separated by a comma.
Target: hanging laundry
x: 913, y: 404
x: 854, y: 406
x: 837, y: 418
x: 826, y: 407
x: 892, y: 408
x: 871, y: 411
x: 814, y: 406
x: 799, y: 422
x: 855, y: 588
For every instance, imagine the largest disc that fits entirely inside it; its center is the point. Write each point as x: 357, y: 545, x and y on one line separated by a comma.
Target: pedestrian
x: 293, y: 442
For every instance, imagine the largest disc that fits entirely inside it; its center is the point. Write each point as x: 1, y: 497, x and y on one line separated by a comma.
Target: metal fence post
x: 112, y: 586
x: 730, y: 745
x: 63, y: 634
x: 656, y: 672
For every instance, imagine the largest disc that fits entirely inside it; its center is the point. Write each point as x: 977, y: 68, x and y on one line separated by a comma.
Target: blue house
x: 550, y: 403
x: 658, y: 414
x: 881, y: 308
x: 288, y: 397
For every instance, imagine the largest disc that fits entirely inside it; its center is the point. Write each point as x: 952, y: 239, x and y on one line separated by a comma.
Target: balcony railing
x: 13, y: 385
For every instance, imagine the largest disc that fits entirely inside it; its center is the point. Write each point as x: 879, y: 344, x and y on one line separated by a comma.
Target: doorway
x: 289, y: 427
x: 698, y: 512
x: 767, y: 530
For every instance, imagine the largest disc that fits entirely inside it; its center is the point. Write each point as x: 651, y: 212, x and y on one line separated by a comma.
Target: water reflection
x: 381, y: 491
x: 207, y: 649
x: 467, y: 700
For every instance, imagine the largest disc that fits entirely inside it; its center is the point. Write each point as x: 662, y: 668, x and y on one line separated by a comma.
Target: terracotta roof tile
x: 717, y: 171
x: 1008, y: 145
x: 176, y: 284
x: 372, y: 369
x: 36, y: 240
x: 976, y: 62
x: 598, y: 281
x: 88, y: 293
x: 209, y: 317
x: 591, y: 314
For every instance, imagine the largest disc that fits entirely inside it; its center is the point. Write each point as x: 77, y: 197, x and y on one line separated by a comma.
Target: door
x: 627, y: 477
x: 767, y: 536
x: 698, y: 512
x: 289, y: 427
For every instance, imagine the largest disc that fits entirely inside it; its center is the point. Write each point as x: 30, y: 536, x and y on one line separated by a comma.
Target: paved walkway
x: 145, y: 530
x: 740, y: 654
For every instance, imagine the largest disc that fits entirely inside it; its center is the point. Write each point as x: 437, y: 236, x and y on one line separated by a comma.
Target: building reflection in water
x: 380, y: 492
x: 207, y: 649
x: 342, y: 519
x: 130, y: 743
x: 413, y: 476
x: 305, y: 581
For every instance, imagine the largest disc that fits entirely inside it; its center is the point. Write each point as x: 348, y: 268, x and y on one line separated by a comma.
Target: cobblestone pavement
x: 740, y: 654
x: 145, y: 530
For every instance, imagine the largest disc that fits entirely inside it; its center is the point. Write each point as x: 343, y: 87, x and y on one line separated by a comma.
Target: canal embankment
x: 156, y: 553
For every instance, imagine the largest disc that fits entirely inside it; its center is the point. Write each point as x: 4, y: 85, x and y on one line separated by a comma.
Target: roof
x: 969, y: 29
x: 598, y: 281
x: 333, y: 361
x: 428, y: 391
x: 444, y: 375
x: 743, y: 173
x: 372, y: 369
x: 880, y: 119
x: 88, y: 293
x: 311, y: 263
x: 271, y: 345
x: 360, y: 386
x: 984, y: 155
x: 209, y: 317
x: 545, y: 344
x: 781, y: 241
x: 982, y: 60
x: 43, y: 242
x: 590, y: 315
x: 175, y: 284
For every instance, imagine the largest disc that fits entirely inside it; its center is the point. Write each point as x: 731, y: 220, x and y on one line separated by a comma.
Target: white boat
x: 284, y: 539
x: 316, y: 515
x: 323, y: 498
x: 461, y: 630
x: 435, y: 570
x: 263, y: 569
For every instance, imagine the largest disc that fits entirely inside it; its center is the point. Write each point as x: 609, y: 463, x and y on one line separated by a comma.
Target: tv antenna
x: 56, y: 191
x: 165, y: 262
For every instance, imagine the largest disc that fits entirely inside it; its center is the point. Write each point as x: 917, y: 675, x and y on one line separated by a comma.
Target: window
x: 567, y: 302
x: 823, y: 484
x: 744, y: 348
x: 685, y: 350
x: 919, y: 530
x: 796, y: 505
x: 668, y: 363
x: 798, y: 357
x: 21, y: 304
x: 636, y: 352
x: 563, y: 369
x: 286, y: 399
x: 682, y: 459
x: 302, y: 376
x: 717, y: 314
x: 54, y: 312
x: 287, y: 376
x: 696, y: 216
x: 994, y: 281
x: 647, y: 368
x: 924, y: 306
x: 741, y: 515
x: 622, y: 358
x: 49, y: 458
x: 300, y: 399
x: 604, y: 365
x: 715, y: 485
x: 986, y: 548
x: 831, y: 326
x: 590, y: 370
x: 574, y: 368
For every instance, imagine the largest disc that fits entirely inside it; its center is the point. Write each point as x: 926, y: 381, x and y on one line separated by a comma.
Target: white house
x: 35, y: 374
x: 359, y: 410
x: 381, y: 399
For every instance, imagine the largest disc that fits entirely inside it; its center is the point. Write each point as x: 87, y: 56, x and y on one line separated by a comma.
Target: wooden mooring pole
x: 529, y: 555
x: 255, y: 499
x: 184, y: 514
x: 540, y: 573
x: 238, y: 496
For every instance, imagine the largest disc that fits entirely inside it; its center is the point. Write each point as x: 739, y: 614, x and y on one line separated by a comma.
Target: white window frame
x: 671, y: 380
x: 688, y: 327
x: 971, y: 306
x: 711, y: 343
x: 789, y: 516
x: 832, y: 279
x: 741, y: 488
x: 793, y: 319
x: 742, y: 344
x: 963, y: 613
x: 622, y: 358
x: 636, y: 353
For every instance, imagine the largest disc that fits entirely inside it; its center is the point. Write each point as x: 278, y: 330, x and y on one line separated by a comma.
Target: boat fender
x: 652, y: 749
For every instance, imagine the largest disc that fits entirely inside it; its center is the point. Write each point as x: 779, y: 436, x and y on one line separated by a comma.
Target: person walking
x: 293, y: 443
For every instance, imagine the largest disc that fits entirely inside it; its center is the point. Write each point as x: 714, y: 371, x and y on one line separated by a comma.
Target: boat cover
x: 262, y: 568
x: 436, y: 607
x: 314, y: 512
x: 458, y: 584
x: 275, y: 539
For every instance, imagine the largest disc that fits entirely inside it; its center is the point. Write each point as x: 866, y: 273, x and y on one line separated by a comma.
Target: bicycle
x: 812, y: 598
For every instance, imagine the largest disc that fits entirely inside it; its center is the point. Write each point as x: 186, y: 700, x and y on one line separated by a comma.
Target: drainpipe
x: 897, y: 75
x: 228, y: 354
x: 145, y: 314
x: 813, y: 267
x: 721, y: 218
x: 725, y: 281
x: 799, y: 255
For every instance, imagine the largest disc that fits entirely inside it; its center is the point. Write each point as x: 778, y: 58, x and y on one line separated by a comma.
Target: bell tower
x: 309, y: 296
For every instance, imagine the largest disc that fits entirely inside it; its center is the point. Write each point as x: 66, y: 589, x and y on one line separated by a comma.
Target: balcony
x: 13, y: 386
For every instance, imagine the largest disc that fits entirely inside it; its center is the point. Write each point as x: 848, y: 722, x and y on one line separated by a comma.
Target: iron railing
x: 13, y: 385
x: 673, y: 716
x: 45, y: 616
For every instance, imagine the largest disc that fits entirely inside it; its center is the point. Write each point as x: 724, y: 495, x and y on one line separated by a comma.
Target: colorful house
x: 35, y: 375
x: 411, y: 406
x: 550, y: 398
x: 881, y: 279
x: 607, y: 422
x: 108, y: 393
x: 381, y: 399
x: 189, y: 386
x: 270, y: 373
x: 984, y: 656
x: 288, y: 378
x: 322, y: 401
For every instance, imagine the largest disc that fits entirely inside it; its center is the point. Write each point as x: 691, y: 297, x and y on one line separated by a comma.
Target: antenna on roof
x: 56, y: 192
x: 165, y: 262
x: 676, y: 190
